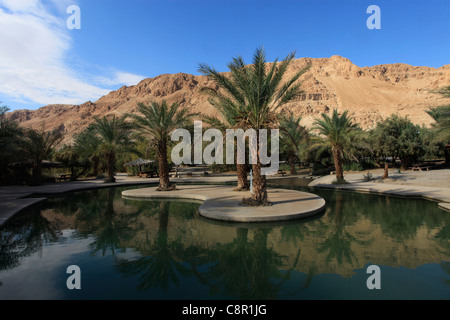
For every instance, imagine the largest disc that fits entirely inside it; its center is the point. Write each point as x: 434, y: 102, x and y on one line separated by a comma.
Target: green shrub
x: 339, y: 181
x: 368, y: 176
x: 353, y: 166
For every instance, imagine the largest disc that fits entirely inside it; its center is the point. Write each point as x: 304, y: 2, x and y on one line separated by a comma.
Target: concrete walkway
x: 357, y: 183
x: 222, y: 203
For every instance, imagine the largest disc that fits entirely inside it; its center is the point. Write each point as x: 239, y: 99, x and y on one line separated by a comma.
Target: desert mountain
x: 369, y: 93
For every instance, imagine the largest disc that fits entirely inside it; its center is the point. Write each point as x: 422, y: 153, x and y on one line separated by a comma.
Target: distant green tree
x: 398, y: 137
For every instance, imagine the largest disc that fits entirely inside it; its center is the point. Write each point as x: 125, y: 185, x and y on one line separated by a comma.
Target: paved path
x: 357, y: 183
x: 222, y: 203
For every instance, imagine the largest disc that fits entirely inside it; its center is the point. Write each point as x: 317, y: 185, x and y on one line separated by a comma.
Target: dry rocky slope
x: 369, y: 93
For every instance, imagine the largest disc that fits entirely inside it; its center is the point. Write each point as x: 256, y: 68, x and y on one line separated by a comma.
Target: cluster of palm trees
x: 109, y: 137
x: 24, y: 147
x: 248, y: 99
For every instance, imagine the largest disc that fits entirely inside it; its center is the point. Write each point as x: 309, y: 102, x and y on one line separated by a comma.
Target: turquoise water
x: 131, y: 249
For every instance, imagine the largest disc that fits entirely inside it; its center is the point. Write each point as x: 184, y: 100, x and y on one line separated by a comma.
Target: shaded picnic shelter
x: 141, y: 163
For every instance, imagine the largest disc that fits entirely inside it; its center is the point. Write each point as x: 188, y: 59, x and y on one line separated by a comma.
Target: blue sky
x: 122, y: 42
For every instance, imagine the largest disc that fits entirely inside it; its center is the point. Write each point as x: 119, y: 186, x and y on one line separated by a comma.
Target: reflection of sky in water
x: 42, y: 275
x: 147, y: 250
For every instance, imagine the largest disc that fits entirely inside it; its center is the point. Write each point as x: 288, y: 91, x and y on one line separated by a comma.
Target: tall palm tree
x: 441, y: 128
x: 114, y: 135
x: 36, y: 146
x: 157, y: 121
x: 255, y: 92
x: 339, y: 131
x: 292, y: 135
x: 87, y: 145
x: 10, y: 135
x: 229, y: 120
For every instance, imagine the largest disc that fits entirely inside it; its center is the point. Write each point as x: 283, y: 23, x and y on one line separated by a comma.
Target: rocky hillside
x: 369, y: 93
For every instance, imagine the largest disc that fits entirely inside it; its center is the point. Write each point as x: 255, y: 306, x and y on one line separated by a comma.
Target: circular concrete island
x: 222, y: 203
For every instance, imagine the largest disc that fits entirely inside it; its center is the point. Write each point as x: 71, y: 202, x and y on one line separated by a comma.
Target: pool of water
x: 136, y: 249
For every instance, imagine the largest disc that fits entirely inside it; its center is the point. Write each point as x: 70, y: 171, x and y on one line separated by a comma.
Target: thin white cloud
x: 34, y: 57
x: 119, y: 78
x: 128, y: 78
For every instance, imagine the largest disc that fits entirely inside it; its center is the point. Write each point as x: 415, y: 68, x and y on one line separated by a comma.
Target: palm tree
x: 87, y: 145
x: 229, y: 121
x: 292, y: 135
x: 114, y: 136
x: 445, y: 91
x: 339, y: 131
x: 255, y: 92
x: 441, y: 129
x: 10, y: 135
x: 36, y: 146
x: 158, y: 121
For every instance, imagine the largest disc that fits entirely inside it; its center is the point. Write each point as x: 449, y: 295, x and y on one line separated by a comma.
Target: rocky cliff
x: 369, y: 93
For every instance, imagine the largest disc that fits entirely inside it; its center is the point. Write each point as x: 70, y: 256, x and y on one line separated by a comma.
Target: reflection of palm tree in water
x: 115, y: 228
x: 338, y: 243
x: 158, y: 268
x: 446, y: 267
x: 23, y: 236
x: 295, y: 233
x: 246, y: 269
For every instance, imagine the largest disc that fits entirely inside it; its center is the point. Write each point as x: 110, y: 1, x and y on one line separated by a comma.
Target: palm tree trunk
x: 163, y: 220
x: 447, y: 155
x: 291, y: 159
x: 36, y: 175
x: 405, y: 162
x: 164, y: 183
x: 386, y: 170
x: 95, y: 161
x: 338, y: 165
x: 259, y: 185
x: 242, y: 177
x: 111, y: 161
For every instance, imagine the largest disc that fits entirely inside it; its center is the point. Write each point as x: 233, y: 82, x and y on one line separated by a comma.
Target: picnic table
x: 420, y: 168
x: 148, y: 174
x: 64, y: 177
